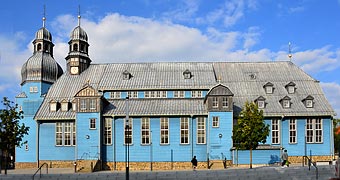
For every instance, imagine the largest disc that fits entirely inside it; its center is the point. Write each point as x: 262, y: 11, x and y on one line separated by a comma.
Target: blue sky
x: 179, y: 30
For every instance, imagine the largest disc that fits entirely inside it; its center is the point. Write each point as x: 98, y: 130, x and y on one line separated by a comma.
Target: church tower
x: 38, y: 74
x: 78, y: 59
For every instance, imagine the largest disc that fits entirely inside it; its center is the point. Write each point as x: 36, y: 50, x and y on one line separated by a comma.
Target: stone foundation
x: 133, y: 166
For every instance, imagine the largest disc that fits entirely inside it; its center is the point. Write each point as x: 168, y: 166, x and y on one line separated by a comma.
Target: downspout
x: 114, y: 144
x: 281, y: 121
x: 192, y: 136
x: 332, y: 138
x: 208, y: 140
x: 38, y: 130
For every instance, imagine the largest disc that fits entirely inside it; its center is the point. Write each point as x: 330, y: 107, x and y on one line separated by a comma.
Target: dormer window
x: 64, y: 105
x: 260, y: 101
x: 74, y: 105
x: 290, y: 87
x: 308, y: 101
x: 269, y: 88
x: 126, y: 75
x: 187, y: 74
x: 285, y: 102
x: 53, y: 105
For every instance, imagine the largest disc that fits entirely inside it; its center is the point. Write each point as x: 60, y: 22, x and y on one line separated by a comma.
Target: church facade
x: 161, y: 114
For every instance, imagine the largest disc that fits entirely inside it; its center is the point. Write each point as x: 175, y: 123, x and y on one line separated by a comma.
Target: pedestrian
x: 284, y: 158
x: 194, y: 163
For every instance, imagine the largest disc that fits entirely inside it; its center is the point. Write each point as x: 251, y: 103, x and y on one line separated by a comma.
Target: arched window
x: 39, y: 47
x: 75, y: 47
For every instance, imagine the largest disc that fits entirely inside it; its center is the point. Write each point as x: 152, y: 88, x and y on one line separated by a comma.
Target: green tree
x: 11, y: 132
x: 336, y: 130
x: 250, y: 129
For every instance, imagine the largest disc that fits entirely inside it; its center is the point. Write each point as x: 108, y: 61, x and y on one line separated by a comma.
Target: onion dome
x: 78, y: 34
x: 41, y: 67
x: 43, y: 34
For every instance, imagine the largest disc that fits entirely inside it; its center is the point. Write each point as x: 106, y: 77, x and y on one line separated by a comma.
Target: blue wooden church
x: 163, y: 113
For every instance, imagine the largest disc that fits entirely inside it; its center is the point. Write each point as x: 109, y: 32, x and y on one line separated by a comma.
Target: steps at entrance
x: 88, y: 165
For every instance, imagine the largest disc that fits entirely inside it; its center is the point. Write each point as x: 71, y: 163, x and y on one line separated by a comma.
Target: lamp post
x: 127, y: 142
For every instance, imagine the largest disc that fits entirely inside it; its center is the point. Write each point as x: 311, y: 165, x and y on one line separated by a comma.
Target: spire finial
x: 79, y: 15
x: 44, y: 17
x: 289, y: 52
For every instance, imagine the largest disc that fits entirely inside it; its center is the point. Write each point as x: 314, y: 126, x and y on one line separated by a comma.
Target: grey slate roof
x: 156, y: 107
x: 244, y: 79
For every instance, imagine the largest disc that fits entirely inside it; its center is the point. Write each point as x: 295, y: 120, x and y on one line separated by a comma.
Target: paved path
x: 325, y: 172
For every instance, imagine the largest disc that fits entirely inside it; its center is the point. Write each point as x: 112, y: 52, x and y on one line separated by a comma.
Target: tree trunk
x: 251, y: 158
x: 5, y: 162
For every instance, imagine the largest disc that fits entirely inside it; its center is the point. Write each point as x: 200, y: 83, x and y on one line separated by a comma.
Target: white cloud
x: 230, y: 12
x: 12, y: 58
x: 184, y: 13
x: 332, y: 92
x: 317, y: 60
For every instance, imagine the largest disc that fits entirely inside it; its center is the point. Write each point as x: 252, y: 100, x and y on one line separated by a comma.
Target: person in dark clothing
x: 194, y: 162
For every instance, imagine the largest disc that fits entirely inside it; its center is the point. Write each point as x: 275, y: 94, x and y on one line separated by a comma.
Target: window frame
x: 65, y: 134
x: 179, y: 94
x: 164, y: 131
x: 275, y: 131
x: 184, y: 131
x: 107, y: 133
x: 292, y: 131
x: 225, y: 102
x: 314, y: 130
x: 145, y: 131
x: 214, y: 102
x: 215, y: 121
x: 92, y: 123
x: 200, y: 130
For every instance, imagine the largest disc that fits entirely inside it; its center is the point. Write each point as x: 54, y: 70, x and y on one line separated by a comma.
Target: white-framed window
x: 260, y: 104
x: 292, y: 131
x: 53, y: 106
x: 196, y: 94
x: 215, y: 121
x: 275, y: 131
x: 145, y: 130
x: 200, y: 130
x: 74, y: 106
x: 93, y: 103
x: 291, y: 89
x: 64, y: 106
x: 309, y: 103
x: 214, y: 102
x: 154, y: 94
x: 225, y: 103
x: 92, y: 123
x: 65, y: 134
x: 314, y: 130
x: 178, y: 94
x: 133, y: 94
x: 184, y: 130
x: 115, y: 95
x: 33, y: 89
x: 59, y: 134
x: 82, y: 104
x: 128, y: 131
x: 164, y: 124
x: 107, y: 131
x: 269, y: 89
x: 286, y: 103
